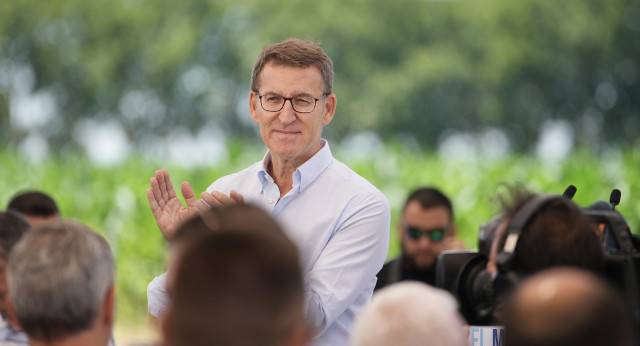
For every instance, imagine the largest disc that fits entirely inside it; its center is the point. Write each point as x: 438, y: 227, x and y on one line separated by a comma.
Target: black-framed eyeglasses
x: 300, y: 104
x: 436, y: 235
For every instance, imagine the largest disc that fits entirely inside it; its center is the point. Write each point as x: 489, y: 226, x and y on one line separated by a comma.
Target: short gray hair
x: 58, y: 278
x: 295, y: 53
x: 410, y: 313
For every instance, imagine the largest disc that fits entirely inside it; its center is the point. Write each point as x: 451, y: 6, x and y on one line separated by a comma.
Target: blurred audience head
x: 557, y: 233
x: 426, y: 227
x: 13, y: 226
x: 567, y: 307
x: 236, y: 281
x: 61, y: 285
x: 410, y: 313
x: 36, y: 206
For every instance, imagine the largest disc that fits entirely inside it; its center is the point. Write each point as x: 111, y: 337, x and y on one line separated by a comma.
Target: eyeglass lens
x: 435, y: 235
x: 274, y: 103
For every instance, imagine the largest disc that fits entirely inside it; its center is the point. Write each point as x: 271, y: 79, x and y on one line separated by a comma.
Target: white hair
x: 410, y: 313
x: 58, y: 277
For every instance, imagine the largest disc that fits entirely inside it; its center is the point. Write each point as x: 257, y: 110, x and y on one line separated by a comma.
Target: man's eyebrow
x: 303, y: 94
x: 295, y: 95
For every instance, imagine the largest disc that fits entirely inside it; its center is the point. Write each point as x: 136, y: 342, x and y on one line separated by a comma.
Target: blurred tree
x: 409, y: 67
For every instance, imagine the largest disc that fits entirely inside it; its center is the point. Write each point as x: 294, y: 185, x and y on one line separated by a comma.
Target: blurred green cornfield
x: 112, y: 200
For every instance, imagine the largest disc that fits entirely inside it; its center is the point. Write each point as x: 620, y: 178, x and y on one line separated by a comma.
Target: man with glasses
x: 338, y: 220
x: 425, y: 229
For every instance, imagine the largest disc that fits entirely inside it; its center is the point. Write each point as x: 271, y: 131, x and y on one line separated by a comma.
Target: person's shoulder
x: 383, y: 274
x: 347, y: 185
x: 386, y: 266
x: 344, y: 174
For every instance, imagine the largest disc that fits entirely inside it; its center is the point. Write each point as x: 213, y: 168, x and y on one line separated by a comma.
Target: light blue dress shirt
x: 340, y: 223
x: 10, y: 336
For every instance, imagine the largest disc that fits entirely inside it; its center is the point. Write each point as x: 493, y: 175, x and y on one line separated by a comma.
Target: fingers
x: 222, y: 198
x: 153, y: 202
x: 203, y: 206
x: 209, y: 200
x: 188, y: 194
x: 164, y: 183
x: 155, y: 191
x: 170, y: 190
x: 236, y: 197
x: 218, y: 199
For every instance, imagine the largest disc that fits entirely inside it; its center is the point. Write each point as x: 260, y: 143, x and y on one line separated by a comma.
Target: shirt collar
x: 307, y: 172
x: 311, y: 170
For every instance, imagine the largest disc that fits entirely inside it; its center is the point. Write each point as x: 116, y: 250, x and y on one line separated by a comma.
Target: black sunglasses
x: 435, y: 235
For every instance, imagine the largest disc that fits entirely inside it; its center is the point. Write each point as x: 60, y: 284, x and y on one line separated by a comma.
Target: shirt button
x: 270, y: 201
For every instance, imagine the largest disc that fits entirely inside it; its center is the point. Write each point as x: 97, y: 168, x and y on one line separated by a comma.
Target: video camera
x: 464, y: 274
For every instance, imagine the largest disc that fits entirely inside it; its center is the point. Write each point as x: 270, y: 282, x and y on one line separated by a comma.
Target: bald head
x: 567, y: 306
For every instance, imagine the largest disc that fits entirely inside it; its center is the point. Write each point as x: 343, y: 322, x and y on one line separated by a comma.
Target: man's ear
x: 11, y: 312
x: 329, y: 109
x: 253, y: 104
x: 109, y: 307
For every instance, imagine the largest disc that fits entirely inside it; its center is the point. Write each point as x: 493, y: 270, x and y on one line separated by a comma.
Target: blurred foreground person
x: 13, y: 226
x: 410, y: 314
x: 425, y: 229
x: 567, y: 307
x: 61, y: 285
x: 38, y: 207
x: 235, y: 280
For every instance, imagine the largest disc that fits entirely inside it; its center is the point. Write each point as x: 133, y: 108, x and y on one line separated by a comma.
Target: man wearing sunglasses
x: 425, y: 229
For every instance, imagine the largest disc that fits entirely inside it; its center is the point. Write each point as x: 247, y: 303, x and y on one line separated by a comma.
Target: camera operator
x: 559, y: 233
x: 425, y: 229
x: 551, y: 231
x: 534, y: 234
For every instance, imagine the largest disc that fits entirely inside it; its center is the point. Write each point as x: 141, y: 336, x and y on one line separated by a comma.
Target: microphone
x: 614, y: 198
x: 569, y: 192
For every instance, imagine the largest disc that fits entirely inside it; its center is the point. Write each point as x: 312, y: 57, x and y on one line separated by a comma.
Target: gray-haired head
x: 295, y: 53
x: 410, y: 313
x: 59, y: 276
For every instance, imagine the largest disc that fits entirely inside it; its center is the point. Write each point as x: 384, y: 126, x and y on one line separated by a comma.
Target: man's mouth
x: 286, y: 133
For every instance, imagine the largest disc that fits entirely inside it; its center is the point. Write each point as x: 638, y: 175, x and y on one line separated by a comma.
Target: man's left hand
x: 219, y: 199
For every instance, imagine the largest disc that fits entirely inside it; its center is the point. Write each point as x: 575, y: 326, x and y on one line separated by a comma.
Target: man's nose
x: 424, y: 240
x: 287, y: 113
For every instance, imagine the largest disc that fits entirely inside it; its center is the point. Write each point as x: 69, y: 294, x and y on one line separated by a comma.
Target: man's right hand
x: 166, y: 206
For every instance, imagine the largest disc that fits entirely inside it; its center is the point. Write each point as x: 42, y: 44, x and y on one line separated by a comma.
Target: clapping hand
x: 169, y: 211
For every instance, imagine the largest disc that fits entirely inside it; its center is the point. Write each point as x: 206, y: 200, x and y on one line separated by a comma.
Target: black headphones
x: 509, y: 276
x: 478, y: 293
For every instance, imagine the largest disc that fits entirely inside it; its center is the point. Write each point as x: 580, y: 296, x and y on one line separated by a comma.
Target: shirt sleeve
x: 346, y: 269
x: 157, y: 296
